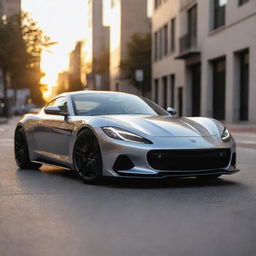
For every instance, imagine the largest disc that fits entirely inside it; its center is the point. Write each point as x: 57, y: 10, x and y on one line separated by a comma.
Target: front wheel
x: 87, y: 158
x: 21, y: 151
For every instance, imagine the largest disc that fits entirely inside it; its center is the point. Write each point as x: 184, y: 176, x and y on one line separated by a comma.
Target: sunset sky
x: 65, y: 22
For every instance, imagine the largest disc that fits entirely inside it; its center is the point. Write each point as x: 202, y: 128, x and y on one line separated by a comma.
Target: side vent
x: 123, y: 162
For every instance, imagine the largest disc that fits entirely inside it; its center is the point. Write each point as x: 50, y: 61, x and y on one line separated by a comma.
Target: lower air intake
x: 123, y: 162
x: 189, y: 159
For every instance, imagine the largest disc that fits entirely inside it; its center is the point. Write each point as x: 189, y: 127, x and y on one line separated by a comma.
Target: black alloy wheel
x: 21, y: 151
x: 87, y: 158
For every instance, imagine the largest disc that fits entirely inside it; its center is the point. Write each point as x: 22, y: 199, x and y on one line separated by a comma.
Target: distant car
x: 122, y: 135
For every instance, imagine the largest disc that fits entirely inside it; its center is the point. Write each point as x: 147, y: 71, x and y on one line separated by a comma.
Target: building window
x: 155, y: 46
x: 156, y: 90
x: 219, y: 88
x: 219, y: 13
x: 241, y: 2
x: 164, y: 92
x: 180, y: 101
x: 165, y: 40
x: 195, y: 73
x: 173, y: 34
x: 192, y: 25
x: 160, y: 44
x: 244, y: 85
x: 172, y: 90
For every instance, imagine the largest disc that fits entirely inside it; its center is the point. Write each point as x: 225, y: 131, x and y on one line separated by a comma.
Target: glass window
x: 195, y: 71
x: 219, y: 13
x: 164, y: 92
x: 173, y: 34
x: 91, y: 104
x: 158, y: 45
x: 244, y: 85
x: 192, y: 25
x: 180, y: 101
x: 241, y: 2
x: 172, y: 91
x: 165, y: 40
x: 156, y: 90
x: 219, y: 88
x: 155, y: 45
x: 161, y: 43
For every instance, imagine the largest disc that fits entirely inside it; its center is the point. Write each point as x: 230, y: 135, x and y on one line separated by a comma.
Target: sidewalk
x: 3, y: 120
x: 247, y: 128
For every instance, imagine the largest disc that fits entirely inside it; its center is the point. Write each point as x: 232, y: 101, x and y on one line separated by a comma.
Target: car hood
x: 167, y: 126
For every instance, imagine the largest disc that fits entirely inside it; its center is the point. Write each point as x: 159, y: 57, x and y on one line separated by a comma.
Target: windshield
x: 90, y: 104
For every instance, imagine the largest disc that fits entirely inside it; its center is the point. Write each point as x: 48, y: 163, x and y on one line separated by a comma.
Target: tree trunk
x: 14, y: 87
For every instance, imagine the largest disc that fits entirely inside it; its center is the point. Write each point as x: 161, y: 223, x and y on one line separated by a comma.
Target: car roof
x: 91, y: 92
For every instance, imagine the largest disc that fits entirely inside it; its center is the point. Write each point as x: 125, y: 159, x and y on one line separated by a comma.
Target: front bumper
x: 111, y: 149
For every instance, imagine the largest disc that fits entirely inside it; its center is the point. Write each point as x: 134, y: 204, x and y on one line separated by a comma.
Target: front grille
x: 189, y: 159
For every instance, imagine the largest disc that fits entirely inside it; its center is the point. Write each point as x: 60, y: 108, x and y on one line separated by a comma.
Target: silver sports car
x: 122, y: 135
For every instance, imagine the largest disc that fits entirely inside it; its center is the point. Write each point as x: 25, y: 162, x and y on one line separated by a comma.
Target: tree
x: 21, y: 45
x: 138, y: 57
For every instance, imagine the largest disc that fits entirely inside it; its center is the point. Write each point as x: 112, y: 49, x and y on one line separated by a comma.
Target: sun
x: 65, y: 22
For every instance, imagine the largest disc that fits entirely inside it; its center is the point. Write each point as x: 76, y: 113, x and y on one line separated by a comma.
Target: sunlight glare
x: 65, y: 22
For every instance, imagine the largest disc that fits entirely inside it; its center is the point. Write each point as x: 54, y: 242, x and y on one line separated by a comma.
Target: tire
x: 209, y: 177
x: 21, y: 151
x: 87, y: 160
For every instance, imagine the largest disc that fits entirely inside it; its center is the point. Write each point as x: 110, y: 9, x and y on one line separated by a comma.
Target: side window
x: 61, y: 103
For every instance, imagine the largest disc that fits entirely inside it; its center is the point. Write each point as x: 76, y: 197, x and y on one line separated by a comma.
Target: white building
x: 204, y: 57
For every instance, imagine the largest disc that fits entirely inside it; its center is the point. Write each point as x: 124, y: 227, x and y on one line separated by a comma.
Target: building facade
x: 204, y: 58
x: 75, y: 68
x: 168, y: 73
x: 125, y: 18
x: 97, y: 48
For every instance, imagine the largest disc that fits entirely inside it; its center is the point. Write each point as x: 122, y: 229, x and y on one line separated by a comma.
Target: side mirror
x: 171, y: 111
x: 52, y: 110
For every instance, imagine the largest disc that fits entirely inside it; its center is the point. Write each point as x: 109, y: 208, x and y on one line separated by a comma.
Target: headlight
x: 121, y: 134
x: 226, y: 136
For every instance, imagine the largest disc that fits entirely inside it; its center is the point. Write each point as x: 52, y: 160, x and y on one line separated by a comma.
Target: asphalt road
x: 50, y: 212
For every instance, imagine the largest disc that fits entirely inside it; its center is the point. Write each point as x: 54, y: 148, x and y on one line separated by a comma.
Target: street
x: 50, y: 212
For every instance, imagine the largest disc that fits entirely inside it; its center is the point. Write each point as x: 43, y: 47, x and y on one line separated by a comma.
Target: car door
x: 52, y: 135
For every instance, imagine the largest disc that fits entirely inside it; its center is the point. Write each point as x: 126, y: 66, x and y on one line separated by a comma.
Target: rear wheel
x: 87, y: 158
x: 21, y: 151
